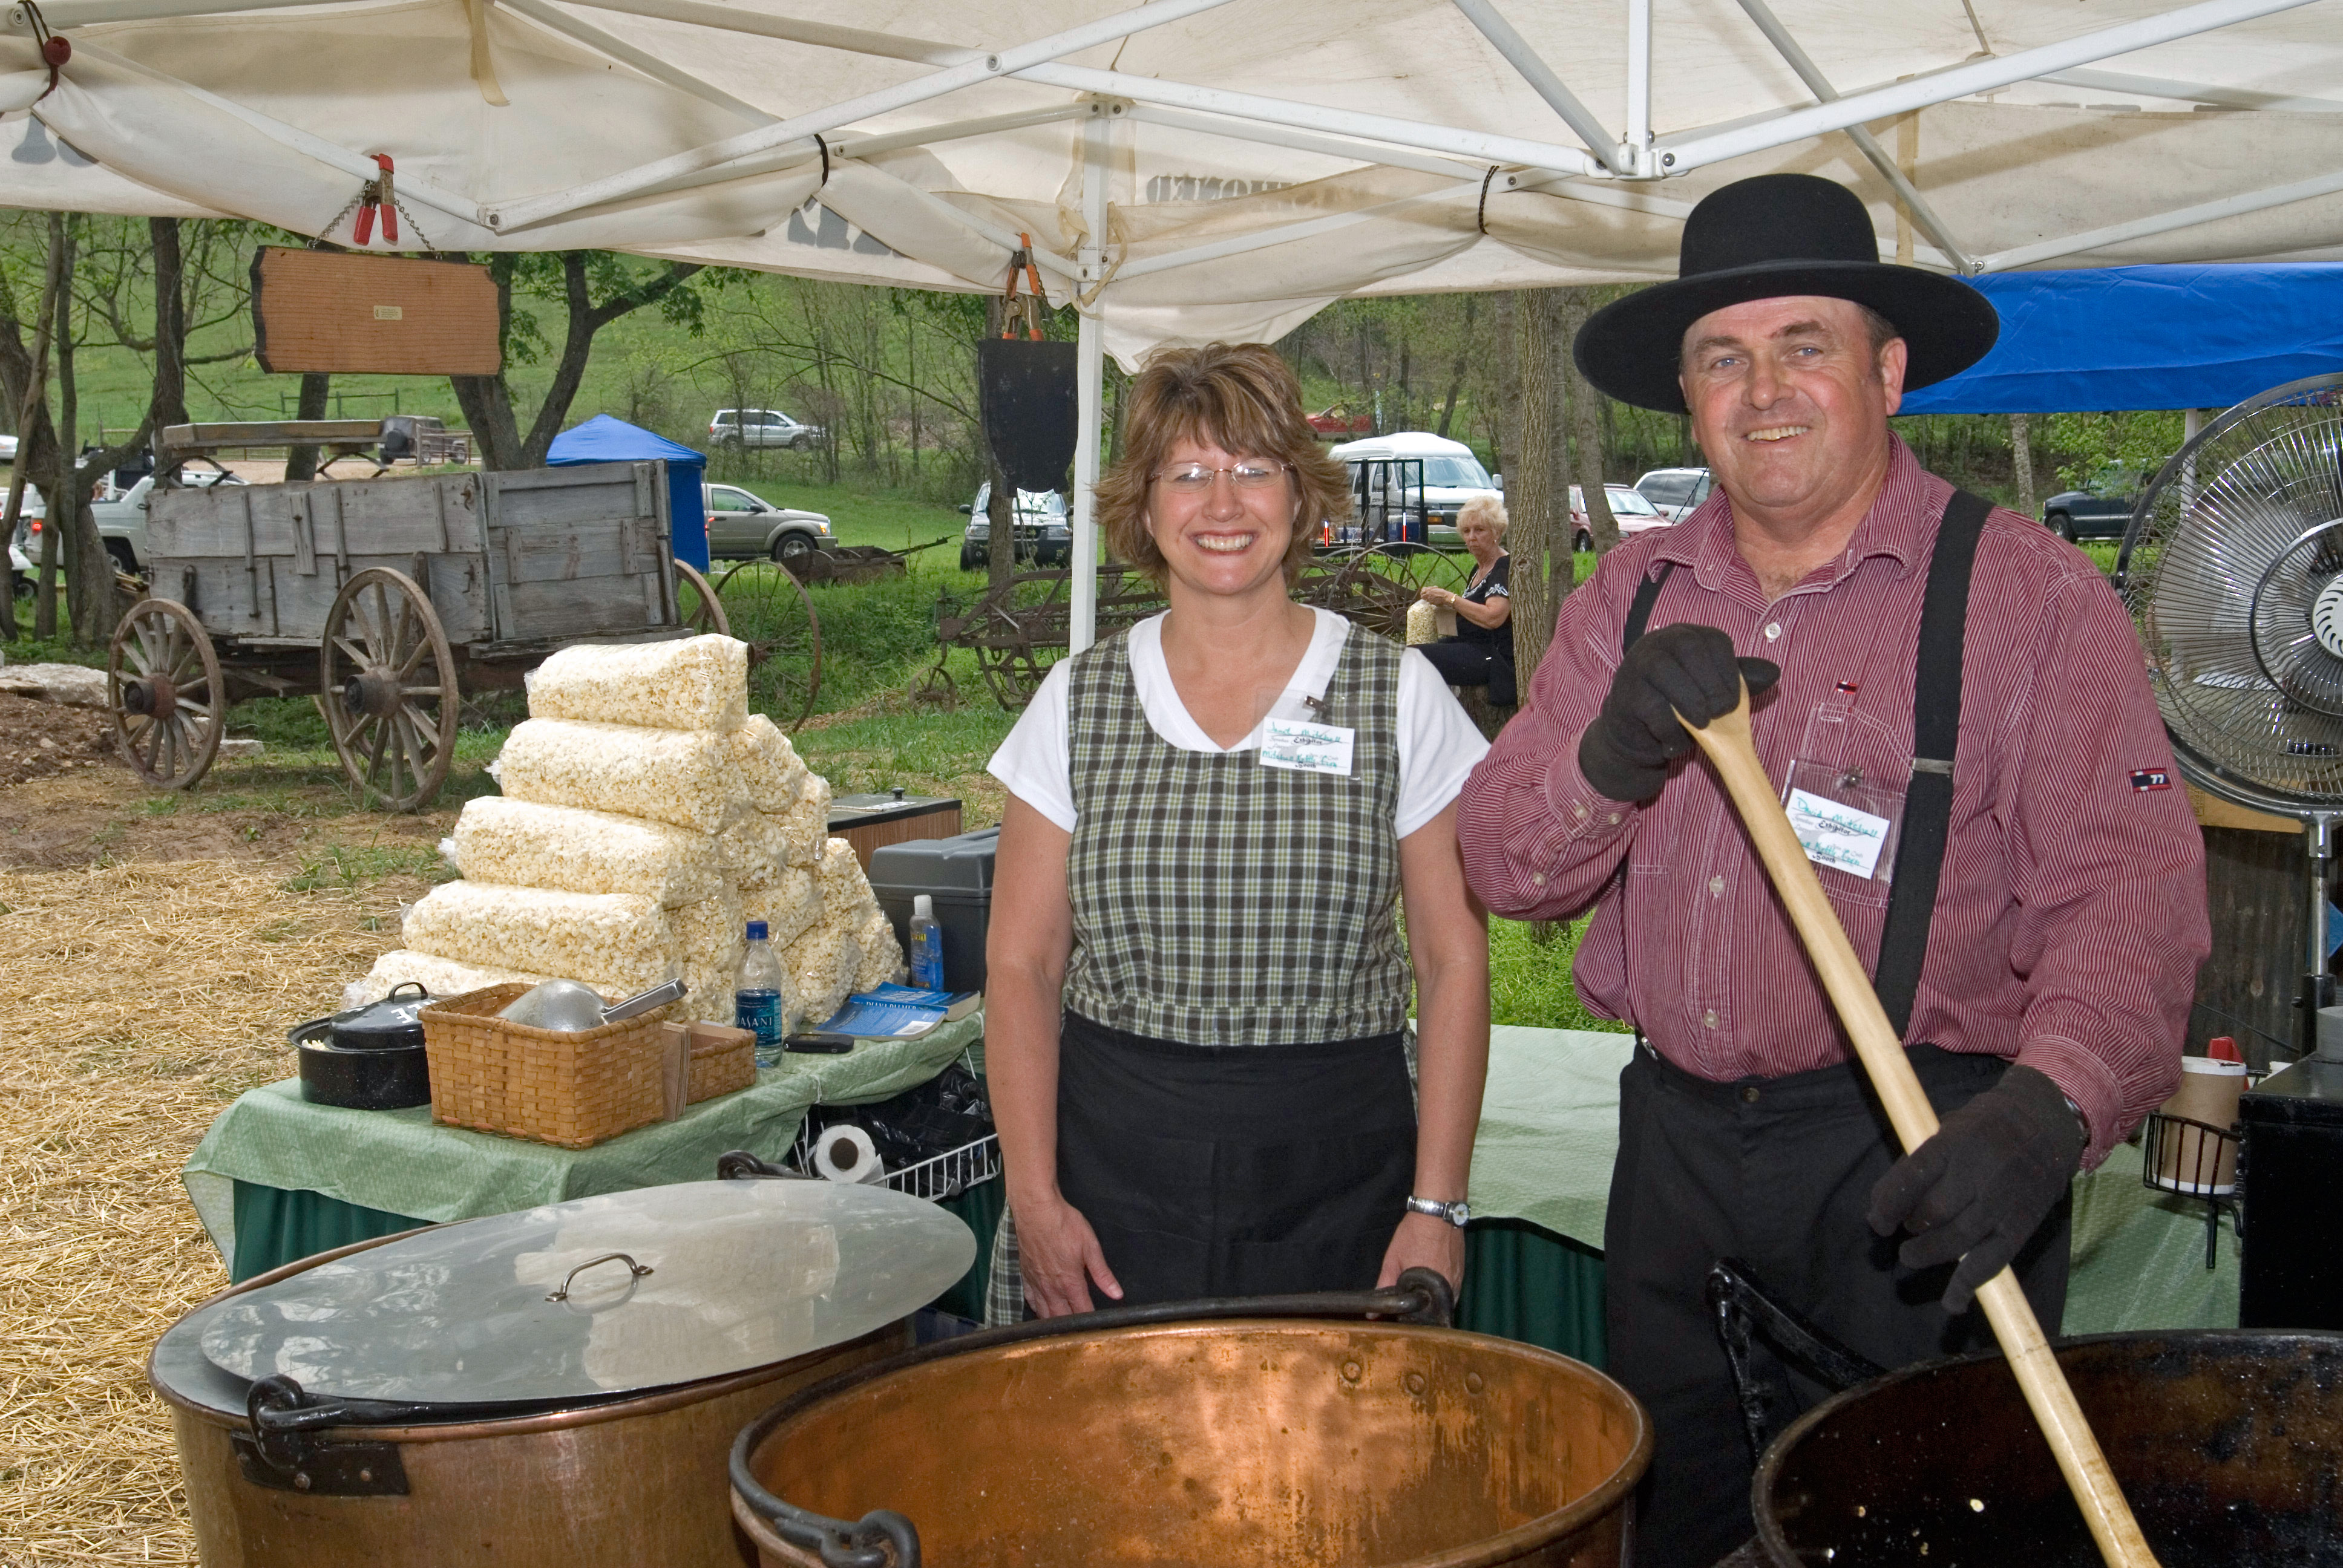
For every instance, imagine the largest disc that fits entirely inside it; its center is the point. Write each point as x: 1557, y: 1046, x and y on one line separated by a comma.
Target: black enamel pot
x: 369, y: 1058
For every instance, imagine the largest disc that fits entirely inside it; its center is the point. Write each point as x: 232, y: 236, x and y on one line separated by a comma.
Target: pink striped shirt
x: 2070, y: 918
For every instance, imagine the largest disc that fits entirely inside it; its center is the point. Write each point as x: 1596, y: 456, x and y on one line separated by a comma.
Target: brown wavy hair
x: 1241, y: 397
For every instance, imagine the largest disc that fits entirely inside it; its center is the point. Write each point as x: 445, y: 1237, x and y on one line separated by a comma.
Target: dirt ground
x: 154, y: 947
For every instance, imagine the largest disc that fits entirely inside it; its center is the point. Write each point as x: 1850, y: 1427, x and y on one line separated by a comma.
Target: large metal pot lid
x: 737, y: 1274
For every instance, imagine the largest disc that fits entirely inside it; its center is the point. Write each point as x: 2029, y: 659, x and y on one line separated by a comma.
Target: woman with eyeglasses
x: 1197, y: 984
x: 1482, y: 651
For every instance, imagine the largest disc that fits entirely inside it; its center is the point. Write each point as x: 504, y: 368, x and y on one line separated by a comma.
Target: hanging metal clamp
x: 1022, y: 258
x: 378, y: 196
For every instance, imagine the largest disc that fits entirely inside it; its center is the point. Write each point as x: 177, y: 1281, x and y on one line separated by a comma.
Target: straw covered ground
x: 137, y: 997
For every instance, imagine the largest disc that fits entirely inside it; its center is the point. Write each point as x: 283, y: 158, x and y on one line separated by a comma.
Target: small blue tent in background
x: 603, y: 439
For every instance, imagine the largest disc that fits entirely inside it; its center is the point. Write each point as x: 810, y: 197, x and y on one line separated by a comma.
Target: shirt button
x: 1614, y: 819
x: 1578, y: 809
x: 1773, y: 631
x: 1537, y: 879
x: 1715, y: 885
x: 1709, y: 1018
x: 1749, y: 1095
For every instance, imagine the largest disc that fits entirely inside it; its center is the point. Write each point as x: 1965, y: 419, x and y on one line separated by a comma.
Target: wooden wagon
x: 386, y: 599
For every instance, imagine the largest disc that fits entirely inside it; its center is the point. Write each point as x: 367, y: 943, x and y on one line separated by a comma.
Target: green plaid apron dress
x: 1234, y: 1115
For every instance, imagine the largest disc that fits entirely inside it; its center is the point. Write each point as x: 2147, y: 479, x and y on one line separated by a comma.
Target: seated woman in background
x: 1197, y: 979
x: 1482, y: 651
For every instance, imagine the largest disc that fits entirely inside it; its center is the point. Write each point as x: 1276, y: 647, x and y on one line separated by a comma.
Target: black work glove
x: 1682, y: 668
x: 1981, y: 1186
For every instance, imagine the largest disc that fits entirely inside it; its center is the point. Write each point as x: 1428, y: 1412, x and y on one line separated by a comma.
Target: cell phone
x: 819, y: 1040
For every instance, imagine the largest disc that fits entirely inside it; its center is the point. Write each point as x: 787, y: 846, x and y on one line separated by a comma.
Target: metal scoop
x: 567, y: 1007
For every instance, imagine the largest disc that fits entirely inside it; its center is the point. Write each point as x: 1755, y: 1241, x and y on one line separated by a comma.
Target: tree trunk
x: 1538, y: 537
x: 1508, y: 420
x: 301, y: 462
x: 169, y: 404
x: 64, y: 482
x: 34, y: 391
x: 2021, y: 461
x: 1585, y: 425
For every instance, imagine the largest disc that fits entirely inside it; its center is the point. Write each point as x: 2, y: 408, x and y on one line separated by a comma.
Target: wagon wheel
x: 696, y: 605
x: 389, y: 687
x: 163, y: 682
x: 1373, y: 588
x: 772, y: 613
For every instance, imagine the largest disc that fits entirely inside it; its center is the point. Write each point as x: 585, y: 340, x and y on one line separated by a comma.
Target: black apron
x: 1235, y: 1171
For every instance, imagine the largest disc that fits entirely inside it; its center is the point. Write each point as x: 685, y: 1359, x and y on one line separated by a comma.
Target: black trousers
x: 1777, y: 1172
x: 1237, y: 1171
x: 1462, y: 663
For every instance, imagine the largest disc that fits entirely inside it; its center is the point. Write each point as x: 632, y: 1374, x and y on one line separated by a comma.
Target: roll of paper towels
x: 845, y: 1153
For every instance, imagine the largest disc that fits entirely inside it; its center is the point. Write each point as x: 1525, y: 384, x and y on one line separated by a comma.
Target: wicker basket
x: 705, y: 1059
x: 549, y: 1086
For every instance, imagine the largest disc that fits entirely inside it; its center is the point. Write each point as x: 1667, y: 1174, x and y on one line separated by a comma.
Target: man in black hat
x: 1955, y: 707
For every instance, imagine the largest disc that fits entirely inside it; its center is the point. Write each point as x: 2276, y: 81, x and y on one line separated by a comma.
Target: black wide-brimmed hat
x: 1763, y: 238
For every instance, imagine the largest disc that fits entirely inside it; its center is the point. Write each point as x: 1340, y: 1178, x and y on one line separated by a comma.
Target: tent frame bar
x: 511, y: 216
x: 1700, y: 149
x: 553, y: 19
x: 309, y: 144
x: 2194, y: 92
x: 1541, y: 76
x: 2163, y: 223
x: 1089, y: 381
x: 1812, y: 75
x: 1305, y: 142
x: 1635, y: 153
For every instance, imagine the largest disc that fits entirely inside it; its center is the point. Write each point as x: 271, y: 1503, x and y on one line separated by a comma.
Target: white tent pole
x: 2163, y: 223
x: 918, y: 90
x: 2194, y: 92
x: 556, y: 20
x: 1479, y: 146
x: 1089, y: 381
x: 420, y: 192
x: 1637, y: 147
x: 736, y: 19
x: 1701, y: 149
x: 1811, y: 73
x: 1540, y: 75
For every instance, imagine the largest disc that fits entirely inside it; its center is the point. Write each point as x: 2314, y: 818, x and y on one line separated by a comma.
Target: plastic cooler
x: 956, y: 873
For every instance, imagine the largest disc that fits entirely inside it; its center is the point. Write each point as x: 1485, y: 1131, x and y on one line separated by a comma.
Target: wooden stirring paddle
x: 1727, y: 744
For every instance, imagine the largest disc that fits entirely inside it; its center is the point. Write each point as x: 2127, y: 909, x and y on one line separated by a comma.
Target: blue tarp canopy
x: 2125, y: 337
x: 603, y: 439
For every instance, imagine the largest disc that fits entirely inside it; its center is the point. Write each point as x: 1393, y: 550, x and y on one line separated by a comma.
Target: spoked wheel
x: 696, y: 603
x: 1373, y: 586
x: 773, y: 614
x: 163, y: 682
x: 389, y: 689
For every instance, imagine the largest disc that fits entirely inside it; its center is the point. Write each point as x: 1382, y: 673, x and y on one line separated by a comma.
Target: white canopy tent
x: 1194, y: 168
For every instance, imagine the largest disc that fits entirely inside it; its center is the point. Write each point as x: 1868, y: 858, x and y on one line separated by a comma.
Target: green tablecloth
x: 401, y: 1167
x: 1542, y: 1165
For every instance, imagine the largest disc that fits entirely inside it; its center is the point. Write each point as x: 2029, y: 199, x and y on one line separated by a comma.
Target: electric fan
x: 2232, y: 568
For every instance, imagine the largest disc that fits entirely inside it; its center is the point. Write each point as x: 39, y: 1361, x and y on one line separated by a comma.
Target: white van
x: 1451, y: 476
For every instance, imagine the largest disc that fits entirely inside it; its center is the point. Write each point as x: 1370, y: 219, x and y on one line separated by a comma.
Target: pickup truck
x: 122, y: 521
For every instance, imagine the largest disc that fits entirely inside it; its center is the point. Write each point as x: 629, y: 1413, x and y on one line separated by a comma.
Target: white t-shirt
x: 1438, y: 743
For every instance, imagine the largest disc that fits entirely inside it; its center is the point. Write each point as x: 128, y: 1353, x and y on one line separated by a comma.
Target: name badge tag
x: 1306, y: 747
x: 1833, y: 833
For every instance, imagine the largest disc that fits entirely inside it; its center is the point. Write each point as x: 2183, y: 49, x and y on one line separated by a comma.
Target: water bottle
x: 759, y: 988
x: 927, y: 944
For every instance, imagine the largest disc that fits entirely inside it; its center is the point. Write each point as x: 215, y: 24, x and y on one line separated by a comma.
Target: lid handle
x: 637, y: 1270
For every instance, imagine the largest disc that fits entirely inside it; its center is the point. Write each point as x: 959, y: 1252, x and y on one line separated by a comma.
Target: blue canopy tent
x: 2123, y: 338
x: 603, y: 439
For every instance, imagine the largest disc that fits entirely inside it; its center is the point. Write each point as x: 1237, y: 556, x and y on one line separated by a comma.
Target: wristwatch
x: 1455, y: 1213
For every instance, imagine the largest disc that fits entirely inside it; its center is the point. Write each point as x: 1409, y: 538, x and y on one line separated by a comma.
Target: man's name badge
x: 1306, y: 747
x: 1835, y: 834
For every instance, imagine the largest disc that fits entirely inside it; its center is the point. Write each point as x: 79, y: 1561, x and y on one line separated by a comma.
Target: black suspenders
x: 1935, y: 735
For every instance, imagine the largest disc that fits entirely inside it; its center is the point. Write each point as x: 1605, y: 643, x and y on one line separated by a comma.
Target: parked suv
x: 1629, y: 509
x: 742, y: 525
x: 1673, y: 492
x: 762, y: 428
x: 1044, y: 537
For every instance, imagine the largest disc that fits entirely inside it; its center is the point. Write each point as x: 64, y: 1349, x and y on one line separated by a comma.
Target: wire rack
x: 2195, y: 1160
x: 939, y: 1179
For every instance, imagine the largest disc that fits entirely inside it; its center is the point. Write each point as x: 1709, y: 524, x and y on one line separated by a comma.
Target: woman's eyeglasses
x: 1193, y: 478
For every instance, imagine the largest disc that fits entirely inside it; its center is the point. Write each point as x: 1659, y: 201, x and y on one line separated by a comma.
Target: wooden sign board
x: 381, y: 315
